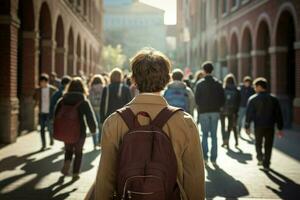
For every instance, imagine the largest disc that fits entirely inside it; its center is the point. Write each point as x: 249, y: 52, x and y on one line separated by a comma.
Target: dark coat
x: 246, y: 93
x: 115, y: 101
x: 231, y: 106
x: 264, y: 109
x: 209, y: 95
x: 85, y: 110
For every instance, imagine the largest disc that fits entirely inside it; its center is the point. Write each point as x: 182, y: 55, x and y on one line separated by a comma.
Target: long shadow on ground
x: 287, y: 188
x: 38, y: 169
x: 221, y: 184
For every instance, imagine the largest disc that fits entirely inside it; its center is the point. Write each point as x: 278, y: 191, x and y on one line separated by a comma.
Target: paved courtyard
x: 27, y: 174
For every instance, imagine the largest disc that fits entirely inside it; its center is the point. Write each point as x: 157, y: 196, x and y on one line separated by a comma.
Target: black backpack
x: 147, y: 165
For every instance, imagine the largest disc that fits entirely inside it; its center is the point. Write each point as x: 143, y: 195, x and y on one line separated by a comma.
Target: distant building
x: 247, y: 37
x: 62, y: 36
x: 134, y: 25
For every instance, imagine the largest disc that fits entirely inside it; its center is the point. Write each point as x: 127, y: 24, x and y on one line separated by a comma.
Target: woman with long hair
x: 76, y: 95
x: 230, y: 110
x: 115, y: 95
x: 97, y: 84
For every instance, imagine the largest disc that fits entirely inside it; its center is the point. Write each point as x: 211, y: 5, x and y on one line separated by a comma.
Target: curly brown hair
x: 150, y: 70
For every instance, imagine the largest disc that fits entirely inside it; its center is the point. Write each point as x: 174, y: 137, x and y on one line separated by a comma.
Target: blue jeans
x: 97, y: 136
x: 209, y: 124
x: 241, y: 118
x: 45, y: 122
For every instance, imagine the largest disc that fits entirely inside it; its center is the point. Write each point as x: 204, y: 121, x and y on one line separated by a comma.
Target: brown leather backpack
x: 147, y: 166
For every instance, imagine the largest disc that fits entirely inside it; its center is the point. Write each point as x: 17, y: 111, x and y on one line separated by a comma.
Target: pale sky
x: 168, y: 5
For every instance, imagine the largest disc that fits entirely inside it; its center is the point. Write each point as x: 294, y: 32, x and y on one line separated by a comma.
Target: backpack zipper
x: 132, y: 132
x: 129, y: 192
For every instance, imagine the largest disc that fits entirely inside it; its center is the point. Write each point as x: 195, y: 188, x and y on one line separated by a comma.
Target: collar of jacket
x: 149, y: 98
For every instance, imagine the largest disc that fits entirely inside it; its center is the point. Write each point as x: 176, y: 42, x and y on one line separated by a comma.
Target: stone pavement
x: 238, y: 175
x: 28, y: 174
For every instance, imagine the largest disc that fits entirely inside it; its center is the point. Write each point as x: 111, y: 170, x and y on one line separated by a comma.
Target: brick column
x: 71, y: 66
x: 244, y: 62
x: 278, y: 73
x: 279, y: 81
x: 29, y: 51
x: 297, y: 99
x: 47, y: 56
x: 259, y: 63
x: 60, y: 61
x: 79, y: 64
x: 9, y: 104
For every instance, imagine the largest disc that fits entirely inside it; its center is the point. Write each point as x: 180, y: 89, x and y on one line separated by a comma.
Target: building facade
x: 134, y: 25
x: 42, y: 36
x: 252, y: 37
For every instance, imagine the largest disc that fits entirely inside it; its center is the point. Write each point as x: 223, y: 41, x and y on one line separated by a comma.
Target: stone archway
x: 262, y: 62
x: 27, y: 66
x: 47, y: 45
x: 233, y: 62
x: 245, y: 59
x: 284, y: 62
x: 60, y: 47
x: 78, y: 55
x: 71, y: 55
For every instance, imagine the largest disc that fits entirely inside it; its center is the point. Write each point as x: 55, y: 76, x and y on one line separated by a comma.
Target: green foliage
x: 113, y: 57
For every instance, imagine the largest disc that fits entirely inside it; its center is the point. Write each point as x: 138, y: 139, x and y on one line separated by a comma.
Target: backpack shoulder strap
x: 164, y: 115
x: 127, y: 116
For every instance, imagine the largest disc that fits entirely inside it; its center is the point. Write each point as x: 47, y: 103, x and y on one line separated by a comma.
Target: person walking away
x: 230, y: 110
x: 246, y: 91
x: 95, y: 93
x: 209, y: 98
x: 55, y: 97
x: 151, y: 71
x: 76, y: 98
x: 115, y: 95
x: 178, y: 94
x: 42, y: 97
x: 264, y: 110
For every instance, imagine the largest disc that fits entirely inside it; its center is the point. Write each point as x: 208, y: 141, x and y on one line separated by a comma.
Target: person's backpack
x: 231, y: 100
x: 66, y: 125
x: 177, y: 97
x: 147, y: 166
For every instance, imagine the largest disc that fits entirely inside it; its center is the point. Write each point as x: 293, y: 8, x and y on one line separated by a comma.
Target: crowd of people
x: 145, y: 94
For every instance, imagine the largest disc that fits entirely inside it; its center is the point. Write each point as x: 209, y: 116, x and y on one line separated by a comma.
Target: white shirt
x: 45, y: 100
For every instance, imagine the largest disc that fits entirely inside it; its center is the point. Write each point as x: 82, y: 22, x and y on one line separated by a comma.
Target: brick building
x: 251, y: 37
x: 36, y: 36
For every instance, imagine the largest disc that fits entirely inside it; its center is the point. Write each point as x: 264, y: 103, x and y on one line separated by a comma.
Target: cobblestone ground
x: 27, y: 174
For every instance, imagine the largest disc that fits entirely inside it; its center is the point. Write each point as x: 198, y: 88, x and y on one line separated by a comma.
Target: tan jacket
x: 185, y: 139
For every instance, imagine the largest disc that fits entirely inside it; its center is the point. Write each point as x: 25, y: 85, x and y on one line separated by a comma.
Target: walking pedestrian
x: 42, y: 97
x: 264, y: 110
x: 246, y: 91
x: 230, y: 110
x: 178, y: 94
x: 95, y: 93
x: 209, y: 98
x: 151, y: 74
x: 76, y: 99
x: 115, y: 95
